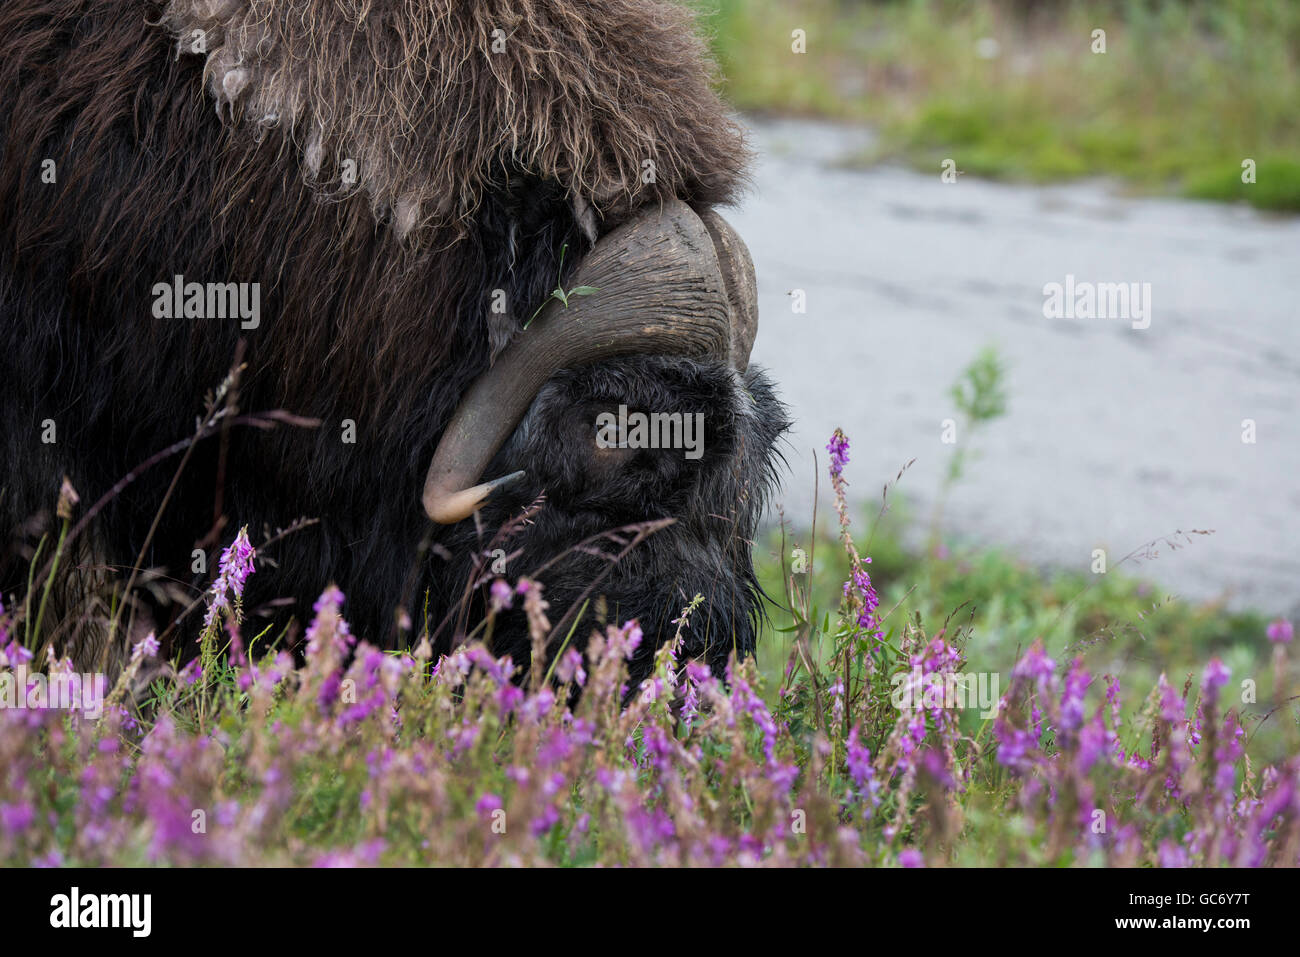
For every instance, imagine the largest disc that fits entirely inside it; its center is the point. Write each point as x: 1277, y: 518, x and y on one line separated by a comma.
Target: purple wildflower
x: 192, y: 673
x: 1076, y: 685
x: 1094, y: 739
x: 501, y: 595
x: 910, y: 857
x: 1035, y: 665
x: 623, y: 642
x: 569, y: 668
x: 1216, y: 676
x: 1014, y: 745
x: 549, y: 817
x: 1281, y: 631
x: 861, y: 584
x: 16, y: 817
x: 15, y: 654
x: 148, y: 648
x: 861, y: 773
x: 235, y: 567
x: 328, y: 629
x: 696, y: 675
x: 838, y: 448
x: 509, y: 698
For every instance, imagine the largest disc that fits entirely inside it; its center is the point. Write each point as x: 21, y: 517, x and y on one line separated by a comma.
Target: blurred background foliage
x: 1184, y: 92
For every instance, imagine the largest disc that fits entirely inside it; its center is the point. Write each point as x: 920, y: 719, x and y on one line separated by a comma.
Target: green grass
x: 1183, y: 94
x: 1277, y: 185
x: 1119, y: 623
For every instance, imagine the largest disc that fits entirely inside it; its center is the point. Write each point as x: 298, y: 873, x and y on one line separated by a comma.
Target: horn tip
x: 448, y: 508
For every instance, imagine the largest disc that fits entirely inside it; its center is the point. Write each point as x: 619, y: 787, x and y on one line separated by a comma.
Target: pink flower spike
x: 1281, y: 631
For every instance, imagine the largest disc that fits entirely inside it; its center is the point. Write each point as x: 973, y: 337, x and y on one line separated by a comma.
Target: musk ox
x: 358, y: 207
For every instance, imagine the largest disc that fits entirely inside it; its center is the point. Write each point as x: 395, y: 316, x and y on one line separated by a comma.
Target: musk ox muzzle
x: 668, y: 282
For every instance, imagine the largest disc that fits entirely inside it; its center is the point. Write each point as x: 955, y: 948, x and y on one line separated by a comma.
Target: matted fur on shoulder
x: 425, y: 98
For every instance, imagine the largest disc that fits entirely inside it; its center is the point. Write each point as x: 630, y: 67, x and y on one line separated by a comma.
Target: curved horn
x: 666, y: 282
x: 742, y: 290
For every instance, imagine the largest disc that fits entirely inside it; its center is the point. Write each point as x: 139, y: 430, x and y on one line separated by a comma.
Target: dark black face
x: 630, y: 440
x: 587, y: 443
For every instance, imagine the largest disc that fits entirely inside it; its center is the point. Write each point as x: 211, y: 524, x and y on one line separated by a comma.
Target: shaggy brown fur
x: 425, y: 96
x: 479, y: 165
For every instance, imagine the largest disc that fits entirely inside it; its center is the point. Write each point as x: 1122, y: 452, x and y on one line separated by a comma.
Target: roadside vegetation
x: 1185, y: 92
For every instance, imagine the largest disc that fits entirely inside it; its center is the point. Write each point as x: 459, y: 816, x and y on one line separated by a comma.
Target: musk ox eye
x: 610, y: 431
